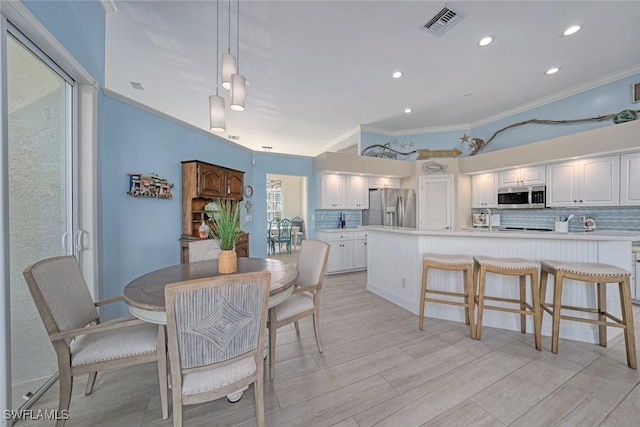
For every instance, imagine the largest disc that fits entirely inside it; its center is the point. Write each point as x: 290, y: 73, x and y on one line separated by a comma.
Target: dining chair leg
x: 258, y: 387
x: 90, y: 383
x: 64, y: 399
x: 162, y: 371
x: 272, y: 343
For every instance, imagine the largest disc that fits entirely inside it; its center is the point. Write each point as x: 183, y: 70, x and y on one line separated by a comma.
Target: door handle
x: 64, y: 240
x: 79, y: 240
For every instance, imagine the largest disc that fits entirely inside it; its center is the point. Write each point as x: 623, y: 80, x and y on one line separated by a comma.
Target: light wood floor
x: 379, y: 369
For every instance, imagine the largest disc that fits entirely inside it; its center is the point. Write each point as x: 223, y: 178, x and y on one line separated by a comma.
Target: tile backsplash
x: 329, y: 218
x: 607, y: 218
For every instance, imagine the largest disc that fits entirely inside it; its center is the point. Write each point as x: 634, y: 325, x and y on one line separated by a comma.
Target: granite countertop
x: 632, y: 235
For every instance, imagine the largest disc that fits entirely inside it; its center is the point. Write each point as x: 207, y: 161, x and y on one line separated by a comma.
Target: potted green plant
x: 224, y: 219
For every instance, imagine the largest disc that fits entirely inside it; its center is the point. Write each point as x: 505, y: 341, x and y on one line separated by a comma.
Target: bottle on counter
x: 343, y: 221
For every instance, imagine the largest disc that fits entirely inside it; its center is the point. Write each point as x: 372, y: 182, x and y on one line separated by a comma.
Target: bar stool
x: 461, y: 263
x: 510, y: 267
x: 601, y: 274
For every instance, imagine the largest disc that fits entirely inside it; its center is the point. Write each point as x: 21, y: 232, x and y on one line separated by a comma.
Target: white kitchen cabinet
x: 534, y: 175
x: 348, y: 250
x: 630, y: 179
x: 383, y: 182
x: 359, y: 250
x: 330, y: 191
x: 436, y: 202
x: 584, y: 182
x: 484, y: 190
x: 357, y: 192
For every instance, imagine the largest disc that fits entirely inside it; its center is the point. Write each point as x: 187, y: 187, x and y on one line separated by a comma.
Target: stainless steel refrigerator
x: 391, y: 206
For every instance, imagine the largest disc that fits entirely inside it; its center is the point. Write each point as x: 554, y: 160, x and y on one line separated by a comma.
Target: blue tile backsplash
x: 330, y: 218
x: 607, y: 218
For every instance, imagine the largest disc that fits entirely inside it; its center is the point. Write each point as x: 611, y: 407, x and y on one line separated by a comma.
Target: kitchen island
x: 395, y: 267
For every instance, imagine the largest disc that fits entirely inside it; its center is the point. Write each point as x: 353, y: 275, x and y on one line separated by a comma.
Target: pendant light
x: 229, y: 66
x: 217, y: 114
x: 238, y: 82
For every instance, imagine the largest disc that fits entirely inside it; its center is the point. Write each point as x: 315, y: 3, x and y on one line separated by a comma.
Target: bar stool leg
x: 537, y: 311
x: 481, y: 283
x: 627, y: 319
x: 523, y: 304
x: 602, y: 308
x: 555, y: 327
x: 469, y: 299
x: 423, y: 289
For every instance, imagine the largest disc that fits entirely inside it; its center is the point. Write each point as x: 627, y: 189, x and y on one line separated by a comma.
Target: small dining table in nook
x: 145, y: 295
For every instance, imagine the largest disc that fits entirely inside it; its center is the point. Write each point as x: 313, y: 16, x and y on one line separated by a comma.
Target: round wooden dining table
x: 145, y: 295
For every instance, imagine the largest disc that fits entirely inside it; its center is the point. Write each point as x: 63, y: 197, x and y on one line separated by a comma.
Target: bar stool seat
x: 600, y: 274
x: 445, y: 262
x: 510, y: 267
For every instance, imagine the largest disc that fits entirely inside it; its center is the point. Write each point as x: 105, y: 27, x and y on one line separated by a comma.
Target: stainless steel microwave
x: 530, y: 197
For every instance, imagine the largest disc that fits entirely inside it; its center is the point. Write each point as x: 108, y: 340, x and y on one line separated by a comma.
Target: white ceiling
x: 319, y: 69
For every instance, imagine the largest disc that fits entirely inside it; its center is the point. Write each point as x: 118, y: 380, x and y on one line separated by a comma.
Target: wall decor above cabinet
x: 149, y: 186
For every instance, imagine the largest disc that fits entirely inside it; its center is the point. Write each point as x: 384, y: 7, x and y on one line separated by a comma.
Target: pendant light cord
x: 217, y: 38
x: 229, y: 38
x: 238, y: 37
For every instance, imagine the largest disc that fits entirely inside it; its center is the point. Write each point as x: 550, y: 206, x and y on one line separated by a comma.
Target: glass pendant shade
x: 229, y: 68
x: 217, y: 114
x: 238, y: 91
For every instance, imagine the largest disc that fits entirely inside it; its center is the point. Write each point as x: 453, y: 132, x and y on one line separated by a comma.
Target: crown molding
x: 575, y: 90
x: 344, y: 140
x: 109, y: 6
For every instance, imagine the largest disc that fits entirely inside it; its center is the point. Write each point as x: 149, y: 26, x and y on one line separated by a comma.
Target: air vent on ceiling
x: 442, y: 21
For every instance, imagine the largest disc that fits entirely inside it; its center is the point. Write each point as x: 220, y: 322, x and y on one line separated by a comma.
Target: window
x: 274, y: 199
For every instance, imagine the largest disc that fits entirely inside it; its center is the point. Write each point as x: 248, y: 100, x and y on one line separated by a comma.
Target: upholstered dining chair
x: 83, y: 344
x: 305, y: 300
x: 216, y: 330
x: 201, y: 250
x: 300, y: 235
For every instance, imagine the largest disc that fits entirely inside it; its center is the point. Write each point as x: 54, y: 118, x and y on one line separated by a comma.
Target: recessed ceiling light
x: 468, y: 94
x: 397, y: 74
x: 408, y: 110
x: 486, y: 41
x: 552, y: 70
x: 137, y: 85
x: 571, y: 30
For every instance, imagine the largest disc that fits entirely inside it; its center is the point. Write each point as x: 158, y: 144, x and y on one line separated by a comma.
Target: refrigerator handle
x: 400, y: 212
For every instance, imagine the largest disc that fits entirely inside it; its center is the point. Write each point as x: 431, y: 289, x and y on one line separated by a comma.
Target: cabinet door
x: 333, y: 264
x: 360, y: 253
x: 211, y: 181
x: 510, y: 178
x: 331, y: 191
x: 630, y: 180
x: 562, y: 184
x: 346, y: 255
x: 533, y: 175
x: 600, y: 181
x: 357, y: 192
x: 436, y: 203
x: 235, y: 185
x: 382, y: 182
x: 484, y: 190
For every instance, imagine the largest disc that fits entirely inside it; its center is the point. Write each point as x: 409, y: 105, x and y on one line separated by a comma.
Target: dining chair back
x: 83, y: 344
x: 271, y: 236
x: 300, y: 235
x: 216, y: 328
x: 305, y: 300
x: 201, y: 250
x: 284, y: 235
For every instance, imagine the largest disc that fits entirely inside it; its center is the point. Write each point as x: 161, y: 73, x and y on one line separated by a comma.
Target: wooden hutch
x: 203, y: 183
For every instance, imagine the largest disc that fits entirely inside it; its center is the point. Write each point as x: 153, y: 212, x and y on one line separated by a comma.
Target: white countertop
x: 591, y: 235
x: 337, y: 230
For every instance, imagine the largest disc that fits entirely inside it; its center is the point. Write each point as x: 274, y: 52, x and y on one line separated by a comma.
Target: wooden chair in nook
x: 82, y: 343
x: 216, y: 330
x: 305, y: 300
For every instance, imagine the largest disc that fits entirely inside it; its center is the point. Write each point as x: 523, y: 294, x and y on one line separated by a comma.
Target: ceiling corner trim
x: 109, y: 6
x: 618, y: 75
x: 345, y: 140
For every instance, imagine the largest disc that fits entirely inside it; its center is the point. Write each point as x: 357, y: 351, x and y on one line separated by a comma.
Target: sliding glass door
x: 40, y: 112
